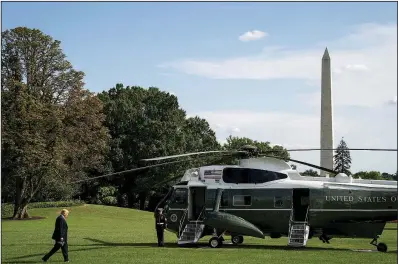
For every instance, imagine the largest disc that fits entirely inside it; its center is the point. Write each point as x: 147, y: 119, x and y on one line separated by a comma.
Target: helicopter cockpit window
x: 245, y: 175
x: 180, y: 196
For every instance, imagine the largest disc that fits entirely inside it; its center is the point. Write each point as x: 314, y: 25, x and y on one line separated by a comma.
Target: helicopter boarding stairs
x: 298, y: 231
x: 192, y: 231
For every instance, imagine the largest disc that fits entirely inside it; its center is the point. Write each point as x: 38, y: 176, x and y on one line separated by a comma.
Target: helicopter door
x: 301, y: 202
x: 197, y: 200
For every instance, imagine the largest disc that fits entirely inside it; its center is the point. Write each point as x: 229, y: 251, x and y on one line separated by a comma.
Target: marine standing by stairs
x: 160, y: 226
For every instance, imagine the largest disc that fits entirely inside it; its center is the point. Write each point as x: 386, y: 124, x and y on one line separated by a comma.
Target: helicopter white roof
x: 265, y: 163
x: 212, y: 175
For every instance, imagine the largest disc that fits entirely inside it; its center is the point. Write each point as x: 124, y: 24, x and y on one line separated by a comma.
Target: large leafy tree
x: 52, y: 128
x: 342, y: 158
x: 149, y: 123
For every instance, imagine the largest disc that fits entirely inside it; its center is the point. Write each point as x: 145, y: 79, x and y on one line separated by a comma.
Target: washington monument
x: 326, y: 114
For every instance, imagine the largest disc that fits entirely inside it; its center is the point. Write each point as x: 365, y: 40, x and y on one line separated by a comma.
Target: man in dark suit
x: 160, y: 222
x: 60, y: 236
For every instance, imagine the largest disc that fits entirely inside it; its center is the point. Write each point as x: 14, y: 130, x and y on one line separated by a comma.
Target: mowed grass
x: 101, y: 234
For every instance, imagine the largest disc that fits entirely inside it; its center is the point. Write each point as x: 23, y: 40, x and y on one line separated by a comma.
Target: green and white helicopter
x: 263, y: 196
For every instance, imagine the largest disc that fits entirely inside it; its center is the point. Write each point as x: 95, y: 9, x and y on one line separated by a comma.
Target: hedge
x: 7, y: 209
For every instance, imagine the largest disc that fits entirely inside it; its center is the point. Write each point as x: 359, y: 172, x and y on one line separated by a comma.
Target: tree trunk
x: 20, y: 211
x: 130, y: 199
x: 21, y: 203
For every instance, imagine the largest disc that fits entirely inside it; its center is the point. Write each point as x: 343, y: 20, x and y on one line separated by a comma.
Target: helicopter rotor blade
x: 139, y: 169
x: 180, y: 176
x: 303, y: 163
x: 266, y: 151
x: 131, y: 170
x: 193, y: 154
x: 355, y: 149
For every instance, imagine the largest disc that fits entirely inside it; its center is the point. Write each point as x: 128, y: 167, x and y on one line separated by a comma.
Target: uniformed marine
x: 161, y: 224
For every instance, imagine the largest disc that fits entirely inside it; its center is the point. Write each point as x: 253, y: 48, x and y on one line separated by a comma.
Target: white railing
x: 201, y: 212
x: 291, y: 218
x: 306, y: 214
x: 182, y: 221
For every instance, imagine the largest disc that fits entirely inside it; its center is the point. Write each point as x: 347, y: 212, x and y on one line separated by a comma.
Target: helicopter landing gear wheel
x: 215, y: 242
x: 236, y: 240
x: 382, y: 247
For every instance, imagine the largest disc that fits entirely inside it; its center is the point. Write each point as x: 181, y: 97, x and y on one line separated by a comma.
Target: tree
x: 310, y: 172
x: 388, y: 176
x: 52, y: 128
x: 149, y: 123
x: 342, y: 158
x: 27, y: 145
x: 235, y: 143
x: 368, y: 175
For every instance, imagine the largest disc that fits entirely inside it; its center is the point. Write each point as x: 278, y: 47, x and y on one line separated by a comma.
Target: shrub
x: 105, y: 191
x: 7, y: 210
x: 109, y: 200
x: 106, y: 195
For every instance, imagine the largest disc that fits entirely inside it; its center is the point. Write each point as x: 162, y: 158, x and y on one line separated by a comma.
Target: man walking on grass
x: 60, y: 236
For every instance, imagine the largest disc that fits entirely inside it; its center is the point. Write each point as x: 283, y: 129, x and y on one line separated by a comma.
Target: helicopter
x: 263, y: 196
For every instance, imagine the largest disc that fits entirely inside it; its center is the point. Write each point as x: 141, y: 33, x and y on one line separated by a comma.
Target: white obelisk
x: 326, y: 115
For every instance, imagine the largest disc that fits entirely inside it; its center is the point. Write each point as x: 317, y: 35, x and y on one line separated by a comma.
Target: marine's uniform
x: 160, y: 226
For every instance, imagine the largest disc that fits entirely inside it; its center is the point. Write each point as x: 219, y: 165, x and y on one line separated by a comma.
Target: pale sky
x: 250, y: 69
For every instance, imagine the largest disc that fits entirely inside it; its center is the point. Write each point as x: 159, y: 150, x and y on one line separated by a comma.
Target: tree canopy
x: 52, y: 127
x: 147, y: 123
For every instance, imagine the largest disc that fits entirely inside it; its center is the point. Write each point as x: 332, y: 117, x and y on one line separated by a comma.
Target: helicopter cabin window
x: 180, y: 196
x: 245, y: 175
x: 278, y: 202
x: 242, y: 200
x: 224, y: 200
x: 211, y: 195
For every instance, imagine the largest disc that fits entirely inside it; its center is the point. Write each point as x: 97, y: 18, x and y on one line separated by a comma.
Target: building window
x: 242, y: 200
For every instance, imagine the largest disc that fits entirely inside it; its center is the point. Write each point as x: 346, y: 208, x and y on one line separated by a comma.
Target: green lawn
x: 100, y: 234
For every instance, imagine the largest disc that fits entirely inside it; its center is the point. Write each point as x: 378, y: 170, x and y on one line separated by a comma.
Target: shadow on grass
x: 39, y: 256
x: 100, y: 244
x: 205, y: 245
